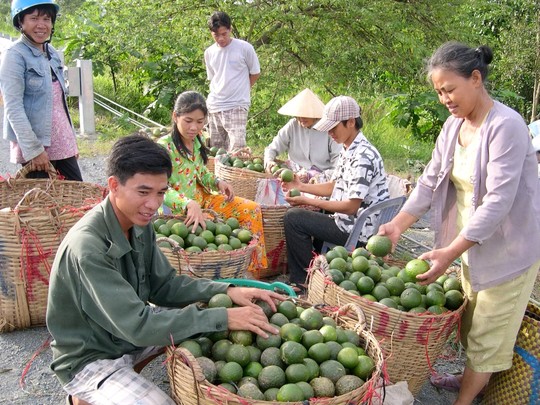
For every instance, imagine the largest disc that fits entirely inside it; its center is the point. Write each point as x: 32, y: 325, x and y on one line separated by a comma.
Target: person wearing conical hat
x: 308, y: 149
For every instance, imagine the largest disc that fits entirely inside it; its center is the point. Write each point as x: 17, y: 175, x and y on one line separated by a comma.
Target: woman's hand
x: 440, y: 260
x: 392, y: 231
x: 194, y: 216
x: 225, y: 189
x: 40, y: 162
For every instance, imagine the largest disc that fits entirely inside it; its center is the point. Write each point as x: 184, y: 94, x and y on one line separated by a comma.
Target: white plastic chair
x: 387, y: 210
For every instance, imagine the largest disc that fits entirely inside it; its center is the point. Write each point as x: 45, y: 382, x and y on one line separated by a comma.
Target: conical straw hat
x: 305, y: 104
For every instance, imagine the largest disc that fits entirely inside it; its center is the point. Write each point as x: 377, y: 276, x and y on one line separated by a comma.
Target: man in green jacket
x: 114, y: 299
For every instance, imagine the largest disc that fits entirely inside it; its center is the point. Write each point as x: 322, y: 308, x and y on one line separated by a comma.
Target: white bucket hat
x: 305, y: 104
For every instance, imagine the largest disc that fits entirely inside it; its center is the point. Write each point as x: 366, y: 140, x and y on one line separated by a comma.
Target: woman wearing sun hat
x: 308, y: 149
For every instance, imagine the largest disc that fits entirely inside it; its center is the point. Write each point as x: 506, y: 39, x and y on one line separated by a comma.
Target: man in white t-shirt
x: 233, y: 68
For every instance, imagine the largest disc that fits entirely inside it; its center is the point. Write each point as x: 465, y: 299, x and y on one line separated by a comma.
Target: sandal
x: 446, y: 381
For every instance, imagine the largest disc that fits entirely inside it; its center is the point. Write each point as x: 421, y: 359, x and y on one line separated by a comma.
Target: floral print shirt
x: 187, y: 173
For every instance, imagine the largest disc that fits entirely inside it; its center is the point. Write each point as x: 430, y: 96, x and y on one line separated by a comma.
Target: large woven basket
x: 209, y: 264
x: 411, y: 342
x: 32, y: 225
x: 521, y: 383
x: 243, y: 181
x: 274, y: 237
x: 189, y: 386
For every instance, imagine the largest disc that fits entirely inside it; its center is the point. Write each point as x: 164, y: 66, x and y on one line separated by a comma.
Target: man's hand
x: 300, y: 200
x: 250, y: 316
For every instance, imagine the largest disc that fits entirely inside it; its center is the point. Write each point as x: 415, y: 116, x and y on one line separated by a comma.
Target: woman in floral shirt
x: 192, y: 186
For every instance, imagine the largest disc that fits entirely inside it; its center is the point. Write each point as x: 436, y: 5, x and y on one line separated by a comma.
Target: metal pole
x: 86, y: 100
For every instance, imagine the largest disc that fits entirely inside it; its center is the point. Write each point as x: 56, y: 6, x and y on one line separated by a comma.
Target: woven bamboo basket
x: 31, y: 230
x: 410, y: 342
x: 243, y: 181
x: 208, y: 264
x: 521, y: 383
x: 274, y: 237
x: 189, y: 386
x: 211, y: 164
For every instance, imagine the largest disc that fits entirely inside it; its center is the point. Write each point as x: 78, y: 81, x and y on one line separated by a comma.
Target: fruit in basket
x: 451, y: 283
x: 323, y: 387
x: 290, y: 393
x: 231, y: 372
x: 364, y: 368
x: 379, y: 245
x: 411, y: 298
x: 287, y: 175
x: 220, y: 300
x: 348, y: 383
x: 311, y: 319
x: 454, y: 299
x: 250, y: 391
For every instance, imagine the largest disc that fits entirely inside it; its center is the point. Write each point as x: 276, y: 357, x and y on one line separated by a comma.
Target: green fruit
x: 389, y: 302
x: 220, y: 300
x: 379, y: 245
x: 291, y: 332
x: 360, y: 264
x: 235, y: 243
x: 223, y: 229
x: 290, y: 393
x: 323, y: 387
x: 233, y: 223
x: 253, y: 369
x: 375, y: 272
x: 360, y: 252
x: 410, y: 298
x: 311, y: 319
x: 279, y: 319
x: 380, y: 292
x: 329, y: 333
x: 342, y: 252
x: 250, y: 391
x: 348, y: 357
x: 348, y: 383
x: 306, y: 389
x: 157, y: 223
x: 192, y: 346
x: 180, y: 229
x: 231, y: 372
x: 287, y: 308
x: 293, y: 352
x: 338, y: 264
x: 164, y: 230
x: 287, y: 175
x: 364, y: 368
x: 238, y: 354
x: 208, y: 236
x: 415, y: 267
x: 454, y: 299
x: 333, y: 370
x: 245, y: 236
x: 365, y: 285
x: 270, y: 341
x: 272, y: 357
x: 293, y: 192
x: 451, y: 283
x: 297, y: 372
x: 271, y: 377
x: 395, y: 285
x: 241, y: 337
x: 320, y: 352
x: 208, y: 368
x: 435, y: 298
x: 311, y: 337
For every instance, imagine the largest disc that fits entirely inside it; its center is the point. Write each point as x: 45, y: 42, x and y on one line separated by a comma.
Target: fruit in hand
x: 379, y: 245
x: 294, y: 192
x: 287, y: 175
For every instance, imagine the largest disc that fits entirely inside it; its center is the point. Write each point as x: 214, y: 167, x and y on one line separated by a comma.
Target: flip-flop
x: 446, y: 381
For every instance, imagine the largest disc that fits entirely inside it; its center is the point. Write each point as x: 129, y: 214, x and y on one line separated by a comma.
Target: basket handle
x: 361, y: 324
x: 23, y: 171
x: 36, y: 197
x: 214, y: 214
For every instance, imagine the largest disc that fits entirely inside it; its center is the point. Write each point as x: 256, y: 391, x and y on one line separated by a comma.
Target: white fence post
x: 86, y: 99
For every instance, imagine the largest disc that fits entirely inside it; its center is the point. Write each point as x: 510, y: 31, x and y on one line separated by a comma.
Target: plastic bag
x: 269, y: 192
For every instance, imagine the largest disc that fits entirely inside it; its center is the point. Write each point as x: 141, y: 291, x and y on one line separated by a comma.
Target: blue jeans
x: 303, y: 228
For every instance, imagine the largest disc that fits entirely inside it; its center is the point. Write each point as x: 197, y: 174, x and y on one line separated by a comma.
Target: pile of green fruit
x: 219, y: 235
x: 310, y: 357
x: 215, y: 151
x: 364, y: 273
x: 255, y: 164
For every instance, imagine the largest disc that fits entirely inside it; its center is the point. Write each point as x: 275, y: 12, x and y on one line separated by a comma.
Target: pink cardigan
x: 504, y: 221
